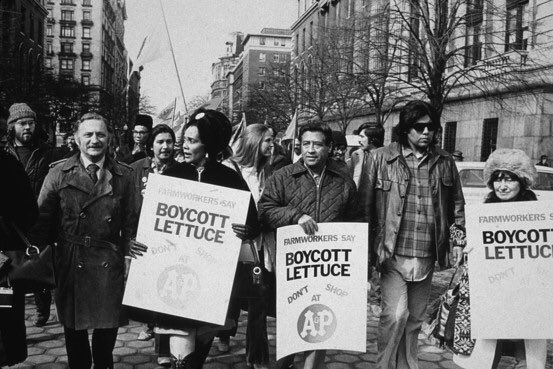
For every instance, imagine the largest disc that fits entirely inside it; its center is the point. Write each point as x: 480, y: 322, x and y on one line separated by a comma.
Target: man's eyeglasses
x: 419, y: 127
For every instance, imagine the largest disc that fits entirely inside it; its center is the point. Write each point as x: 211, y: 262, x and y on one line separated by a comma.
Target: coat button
x: 108, y: 220
x: 82, y: 215
x: 105, y: 264
x: 80, y: 265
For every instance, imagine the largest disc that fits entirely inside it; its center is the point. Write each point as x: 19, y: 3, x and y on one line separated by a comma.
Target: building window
x: 275, y: 58
x: 32, y: 26
x: 261, y: 71
x: 450, y: 135
x: 261, y: 85
x: 489, y: 138
x: 87, y: 2
x: 282, y: 42
x: 86, y: 64
x: 86, y: 32
x: 66, y: 47
x: 48, y: 62
x: 86, y: 47
x: 67, y: 31
x: 518, y: 22
x: 49, y: 48
x: 67, y: 15
x: 23, y: 18
x: 49, y: 30
x: 66, y: 64
x: 85, y: 80
x: 262, y: 57
x: 283, y: 58
x: 303, y: 40
x: 262, y: 41
x: 276, y: 43
x: 473, y: 50
x: 67, y: 2
x: 87, y: 15
x: 297, y: 45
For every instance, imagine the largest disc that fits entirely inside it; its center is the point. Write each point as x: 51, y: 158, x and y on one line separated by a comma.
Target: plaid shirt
x: 416, y: 237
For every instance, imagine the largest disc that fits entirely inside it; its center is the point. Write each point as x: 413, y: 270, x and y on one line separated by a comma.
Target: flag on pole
x: 235, y: 138
x: 168, y: 112
x: 290, y: 133
x: 154, y: 45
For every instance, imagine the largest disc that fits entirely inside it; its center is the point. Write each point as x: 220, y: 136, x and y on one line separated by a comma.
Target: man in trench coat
x: 87, y: 206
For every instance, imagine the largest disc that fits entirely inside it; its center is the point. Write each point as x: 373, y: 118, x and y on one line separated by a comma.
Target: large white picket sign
x: 322, y: 288
x: 511, y: 269
x: 189, y: 268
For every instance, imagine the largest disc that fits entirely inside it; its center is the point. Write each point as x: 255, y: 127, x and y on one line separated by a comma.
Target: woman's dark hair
x: 410, y: 113
x: 160, y: 128
x: 317, y: 127
x: 498, y: 175
x: 214, y: 130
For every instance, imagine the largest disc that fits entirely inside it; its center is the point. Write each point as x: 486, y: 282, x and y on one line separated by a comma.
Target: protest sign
x: 322, y: 288
x: 189, y: 268
x: 510, y: 269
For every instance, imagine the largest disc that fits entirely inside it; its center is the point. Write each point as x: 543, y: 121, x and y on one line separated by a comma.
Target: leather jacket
x: 382, y: 193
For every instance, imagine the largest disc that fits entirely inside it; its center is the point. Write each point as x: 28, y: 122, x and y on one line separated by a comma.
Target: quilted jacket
x: 382, y: 191
x: 292, y: 192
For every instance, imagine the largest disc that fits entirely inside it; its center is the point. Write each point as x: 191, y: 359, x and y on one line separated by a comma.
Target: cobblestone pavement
x: 47, y: 346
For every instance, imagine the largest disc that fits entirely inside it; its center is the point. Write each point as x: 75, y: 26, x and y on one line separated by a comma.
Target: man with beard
x: 24, y: 143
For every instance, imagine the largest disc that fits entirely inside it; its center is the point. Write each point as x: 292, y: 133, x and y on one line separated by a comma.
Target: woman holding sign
x: 509, y: 173
x: 206, y: 136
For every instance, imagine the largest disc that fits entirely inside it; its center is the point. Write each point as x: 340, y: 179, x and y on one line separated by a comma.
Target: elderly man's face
x: 314, y: 150
x: 92, y: 137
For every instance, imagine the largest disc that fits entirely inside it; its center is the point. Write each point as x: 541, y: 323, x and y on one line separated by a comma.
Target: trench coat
x: 92, y: 225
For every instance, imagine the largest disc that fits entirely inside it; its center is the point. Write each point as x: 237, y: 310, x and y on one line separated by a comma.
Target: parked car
x: 475, y: 189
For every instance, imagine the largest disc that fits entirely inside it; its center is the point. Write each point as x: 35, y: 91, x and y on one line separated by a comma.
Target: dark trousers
x: 43, y: 299
x: 78, y: 348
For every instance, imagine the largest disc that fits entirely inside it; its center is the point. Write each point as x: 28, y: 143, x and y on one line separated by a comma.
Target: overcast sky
x: 199, y: 30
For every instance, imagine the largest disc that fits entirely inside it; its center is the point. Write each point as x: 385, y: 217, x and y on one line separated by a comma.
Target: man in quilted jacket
x: 412, y: 191
x: 312, y: 190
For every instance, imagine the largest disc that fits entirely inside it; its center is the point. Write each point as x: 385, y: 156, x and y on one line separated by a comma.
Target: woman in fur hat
x: 510, y: 174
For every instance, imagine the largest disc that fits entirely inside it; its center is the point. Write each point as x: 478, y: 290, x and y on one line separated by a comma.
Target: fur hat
x: 20, y: 111
x: 510, y: 160
x: 144, y: 120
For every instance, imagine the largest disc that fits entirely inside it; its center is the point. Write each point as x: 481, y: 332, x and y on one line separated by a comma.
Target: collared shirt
x: 316, y: 177
x: 100, y: 165
x: 414, y: 252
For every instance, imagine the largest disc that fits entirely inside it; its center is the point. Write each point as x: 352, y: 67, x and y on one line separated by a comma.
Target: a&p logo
x: 178, y: 285
x: 316, y: 323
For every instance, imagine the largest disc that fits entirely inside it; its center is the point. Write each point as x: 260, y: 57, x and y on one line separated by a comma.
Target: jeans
x: 403, y: 312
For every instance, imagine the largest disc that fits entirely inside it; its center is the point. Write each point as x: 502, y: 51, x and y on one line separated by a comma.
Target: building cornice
x: 310, y: 11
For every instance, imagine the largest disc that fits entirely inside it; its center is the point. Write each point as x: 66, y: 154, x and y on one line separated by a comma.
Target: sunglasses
x: 419, y: 127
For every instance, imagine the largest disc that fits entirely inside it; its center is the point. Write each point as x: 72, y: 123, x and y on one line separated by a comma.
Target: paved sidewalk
x: 47, y: 346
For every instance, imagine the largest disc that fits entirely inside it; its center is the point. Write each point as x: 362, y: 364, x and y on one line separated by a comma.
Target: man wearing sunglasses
x: 411, y: 193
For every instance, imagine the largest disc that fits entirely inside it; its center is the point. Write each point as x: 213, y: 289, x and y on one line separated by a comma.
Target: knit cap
x: 19, y: 111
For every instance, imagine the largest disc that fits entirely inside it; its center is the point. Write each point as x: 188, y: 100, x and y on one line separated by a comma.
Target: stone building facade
x: 510, y: 43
